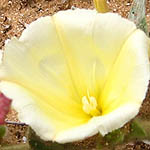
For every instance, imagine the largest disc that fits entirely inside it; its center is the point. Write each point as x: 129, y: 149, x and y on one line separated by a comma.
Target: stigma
x: 89, y: 106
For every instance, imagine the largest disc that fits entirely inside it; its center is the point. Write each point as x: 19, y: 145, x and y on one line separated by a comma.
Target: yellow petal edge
x: 76, y: 73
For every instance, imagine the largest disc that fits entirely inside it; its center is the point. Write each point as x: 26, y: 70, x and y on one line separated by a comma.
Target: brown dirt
x: 16, y: 14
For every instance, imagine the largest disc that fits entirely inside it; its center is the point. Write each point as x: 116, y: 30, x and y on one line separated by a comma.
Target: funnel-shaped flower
x: 76, y: 73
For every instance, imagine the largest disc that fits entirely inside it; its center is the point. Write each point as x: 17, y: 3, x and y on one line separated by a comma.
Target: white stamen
x: 90, y: 105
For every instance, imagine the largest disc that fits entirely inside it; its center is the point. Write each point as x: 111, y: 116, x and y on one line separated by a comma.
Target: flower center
x: 90, y: 106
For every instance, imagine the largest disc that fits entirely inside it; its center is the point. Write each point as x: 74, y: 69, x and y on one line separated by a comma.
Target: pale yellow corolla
x: 76, y: 73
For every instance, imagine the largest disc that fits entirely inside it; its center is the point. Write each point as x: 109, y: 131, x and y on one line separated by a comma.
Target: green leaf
x: 2, y: 131
x: 115, y: 137
x: 109, y: 141
x: 137, y: 131
x: 38, y: 144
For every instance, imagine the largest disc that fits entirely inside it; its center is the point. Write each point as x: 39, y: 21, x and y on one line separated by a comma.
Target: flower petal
x: 91, y: 43
x: 129, y: 76
x: 102, y: 124
x: 27, y: 109
x: 47, y: 122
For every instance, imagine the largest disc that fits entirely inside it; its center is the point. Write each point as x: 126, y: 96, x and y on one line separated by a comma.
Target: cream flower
x: 76, y: 73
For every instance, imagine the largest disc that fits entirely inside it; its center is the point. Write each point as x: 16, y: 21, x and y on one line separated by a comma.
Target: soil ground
x: 16, y: 14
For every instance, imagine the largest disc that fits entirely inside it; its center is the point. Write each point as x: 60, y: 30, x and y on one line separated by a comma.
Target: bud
x: 4, y: 107
x: 101, y: 6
